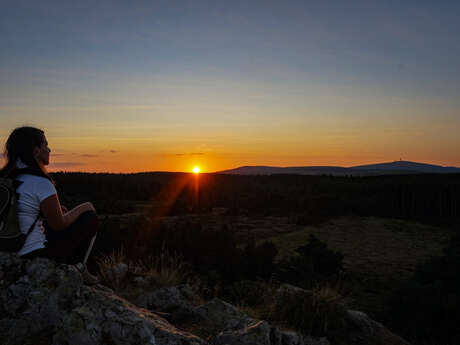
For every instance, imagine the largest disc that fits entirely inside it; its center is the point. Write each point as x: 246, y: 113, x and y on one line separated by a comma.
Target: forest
x: 424, y: 197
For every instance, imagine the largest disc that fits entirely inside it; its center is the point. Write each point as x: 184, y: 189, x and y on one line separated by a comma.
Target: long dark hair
x: 20, y: 145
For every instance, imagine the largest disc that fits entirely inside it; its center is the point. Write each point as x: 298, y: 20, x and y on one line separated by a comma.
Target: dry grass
x: 106, y: 265
x: 164, y: 269
x: 312, y: 312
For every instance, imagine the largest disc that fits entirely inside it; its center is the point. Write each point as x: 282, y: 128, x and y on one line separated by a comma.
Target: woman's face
x: 42, y: 153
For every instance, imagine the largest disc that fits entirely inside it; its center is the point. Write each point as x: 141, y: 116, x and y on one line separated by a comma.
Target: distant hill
x: 390, y: 168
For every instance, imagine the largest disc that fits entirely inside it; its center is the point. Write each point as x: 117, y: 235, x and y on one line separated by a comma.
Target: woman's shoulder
x: 35, y: 187
x: 32, y: 178
x: 34, y: 182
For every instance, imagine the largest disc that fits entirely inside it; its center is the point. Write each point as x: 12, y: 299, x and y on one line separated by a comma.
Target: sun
x: 196, y: 169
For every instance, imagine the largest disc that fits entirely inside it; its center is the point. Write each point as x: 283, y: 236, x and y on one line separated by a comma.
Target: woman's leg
x: 90, y: 248
x: 71, y: 244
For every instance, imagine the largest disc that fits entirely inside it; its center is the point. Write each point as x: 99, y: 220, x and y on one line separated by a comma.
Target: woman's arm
x: 57, y: 220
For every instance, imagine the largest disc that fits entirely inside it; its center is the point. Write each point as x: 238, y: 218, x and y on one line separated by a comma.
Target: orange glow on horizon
x: 196, y: 169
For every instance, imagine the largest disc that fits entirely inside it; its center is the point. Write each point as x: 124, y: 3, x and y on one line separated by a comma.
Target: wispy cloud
x: 183, y: 154
x: 113, y: 151
x: 89, y: 155
x: 66, y: 164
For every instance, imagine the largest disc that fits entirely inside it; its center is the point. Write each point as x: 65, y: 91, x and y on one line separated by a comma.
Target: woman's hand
x: 88, y: 206
x: 64, y: 209
x: 56, y: 218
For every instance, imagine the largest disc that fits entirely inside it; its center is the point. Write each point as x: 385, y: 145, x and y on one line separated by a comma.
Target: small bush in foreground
x: 314, y: 262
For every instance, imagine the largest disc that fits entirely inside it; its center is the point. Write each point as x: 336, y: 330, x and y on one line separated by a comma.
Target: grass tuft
x: 313, y: 312
x: 107, y: 268
x: 164, y: 269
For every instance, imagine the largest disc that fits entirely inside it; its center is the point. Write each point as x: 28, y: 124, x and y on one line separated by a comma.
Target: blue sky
x: 259, y: 82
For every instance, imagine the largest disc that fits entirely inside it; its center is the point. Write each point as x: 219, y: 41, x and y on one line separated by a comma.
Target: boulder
x: 45, y: 302
x: 359, y: 329
x: 172, y: 301
x: 119, y: 271
x: 223, y: 315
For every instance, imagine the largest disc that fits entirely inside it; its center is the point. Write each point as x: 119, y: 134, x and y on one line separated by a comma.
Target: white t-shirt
x: 32, y: 191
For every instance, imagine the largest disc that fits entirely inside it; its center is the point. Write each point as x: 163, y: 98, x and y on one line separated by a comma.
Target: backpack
x: 11, y: 237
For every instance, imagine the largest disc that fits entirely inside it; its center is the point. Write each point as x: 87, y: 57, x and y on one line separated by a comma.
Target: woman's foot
x: 88, y: 278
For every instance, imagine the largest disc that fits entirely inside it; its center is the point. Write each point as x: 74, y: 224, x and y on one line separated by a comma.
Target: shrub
x: 314, y: 262
x: 258, y: 261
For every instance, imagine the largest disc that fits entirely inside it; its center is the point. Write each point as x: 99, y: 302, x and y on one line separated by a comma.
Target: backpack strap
x: 33, y: 224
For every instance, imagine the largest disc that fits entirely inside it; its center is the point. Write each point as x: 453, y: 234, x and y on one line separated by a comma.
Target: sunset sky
x: 125, y: 86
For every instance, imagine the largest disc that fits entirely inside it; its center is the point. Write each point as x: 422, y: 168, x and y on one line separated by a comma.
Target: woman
x: 58, y: 234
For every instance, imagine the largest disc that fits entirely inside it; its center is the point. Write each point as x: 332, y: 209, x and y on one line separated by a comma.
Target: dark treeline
x: 426, y: 197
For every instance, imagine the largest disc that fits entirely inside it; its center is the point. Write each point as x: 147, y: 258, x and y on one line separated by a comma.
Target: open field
x: 378, y: 253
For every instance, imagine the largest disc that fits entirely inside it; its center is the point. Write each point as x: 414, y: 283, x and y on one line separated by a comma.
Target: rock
x: 256, y: 333
x: 118, y: 272
x: 140, y: 282
x: 169, y: 300
x: 287, y: 289
x: 189, y: 294
x: 294, y: 338
x: 10, y: 267
x: 236, y: 327
x: 262, y: 333
x: 45, y: 302
x: 223, y: 315
x: 359, y: 329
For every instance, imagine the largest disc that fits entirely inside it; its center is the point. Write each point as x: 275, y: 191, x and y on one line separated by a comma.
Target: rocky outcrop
x: 42, y: 302
x: 40, y: 299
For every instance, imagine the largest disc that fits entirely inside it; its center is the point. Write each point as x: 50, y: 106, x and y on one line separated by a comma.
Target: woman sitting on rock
x: 55, y: 233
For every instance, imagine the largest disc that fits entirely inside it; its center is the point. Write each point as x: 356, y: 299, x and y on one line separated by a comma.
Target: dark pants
x: 68, y: 246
